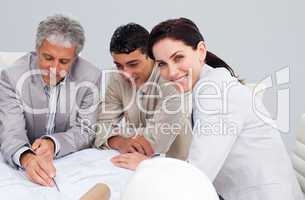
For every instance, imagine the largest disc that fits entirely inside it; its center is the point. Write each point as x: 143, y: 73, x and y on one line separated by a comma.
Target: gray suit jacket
x: 24, y: 111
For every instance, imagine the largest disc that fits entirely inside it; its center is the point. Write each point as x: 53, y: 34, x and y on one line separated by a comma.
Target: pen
x: 56, y: 184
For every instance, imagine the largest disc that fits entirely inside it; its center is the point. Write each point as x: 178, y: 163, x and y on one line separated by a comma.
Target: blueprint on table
x: 75, y: 175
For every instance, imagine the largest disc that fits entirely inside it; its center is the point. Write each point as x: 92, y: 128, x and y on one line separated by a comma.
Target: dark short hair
x: 183, y: 29
x: 127, y: 38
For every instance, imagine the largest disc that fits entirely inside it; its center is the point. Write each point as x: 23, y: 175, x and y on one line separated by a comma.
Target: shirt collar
x: 204, y: 70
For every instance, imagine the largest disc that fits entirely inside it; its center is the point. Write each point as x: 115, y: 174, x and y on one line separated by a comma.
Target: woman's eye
x: 178, y: 58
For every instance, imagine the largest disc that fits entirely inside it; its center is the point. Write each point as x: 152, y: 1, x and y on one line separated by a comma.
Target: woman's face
x: 179, y: 63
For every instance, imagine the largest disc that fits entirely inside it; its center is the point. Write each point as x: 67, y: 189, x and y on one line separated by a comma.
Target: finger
x: 131, y: 149
x: 146, y: 146
x: 44, y: 176
x: 45, y: 154
x: 130, y: 160
x: 42, y: 149
x: 120, y: 155
x: 128, y: 155
x: 47, y: 166
x: 148, y: 150
x: 123, y: 165
x: 35, y: 177
x: 135, y: 154
x: 115, y: 162
x: 119, y: 159
x: 36, y: 144
x: 123, y: 150
x: 139, y: 148
x: 115, y: 157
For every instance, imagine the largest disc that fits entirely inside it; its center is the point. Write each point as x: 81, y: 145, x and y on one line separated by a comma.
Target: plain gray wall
x: 256, y: 37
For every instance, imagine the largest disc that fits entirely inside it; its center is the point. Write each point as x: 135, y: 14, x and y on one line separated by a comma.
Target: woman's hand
x: 128, y: 160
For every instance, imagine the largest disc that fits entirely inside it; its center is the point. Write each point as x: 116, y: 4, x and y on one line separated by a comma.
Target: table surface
x: 75, y: 175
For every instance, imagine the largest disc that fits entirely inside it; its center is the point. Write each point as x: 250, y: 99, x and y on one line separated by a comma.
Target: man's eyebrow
x: 65, y: 58
x: 132, y: 61
x: 46, y: 54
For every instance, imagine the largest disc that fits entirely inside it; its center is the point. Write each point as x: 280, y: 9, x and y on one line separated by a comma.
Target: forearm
x: 13, y: 133
x: 9, y: 148
x: 104, y: 132
x: 163, y: 130
x: 73, y: 140
x: 172, y: 118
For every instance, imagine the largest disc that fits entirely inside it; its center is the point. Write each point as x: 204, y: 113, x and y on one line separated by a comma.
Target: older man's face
x: 55, y: 60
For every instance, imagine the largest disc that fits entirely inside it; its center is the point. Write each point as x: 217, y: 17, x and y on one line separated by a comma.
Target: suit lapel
x: 39, y: 107
x: 38, y: 99
x: 63, y: 111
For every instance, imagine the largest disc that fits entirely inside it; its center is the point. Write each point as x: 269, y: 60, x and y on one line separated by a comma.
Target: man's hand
x: 38, y: 169
x: 147, y: 148
x: 44, y: 148
x: 130, y: 145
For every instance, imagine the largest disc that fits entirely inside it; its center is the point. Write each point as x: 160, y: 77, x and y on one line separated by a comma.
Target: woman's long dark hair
x: 184, y: 30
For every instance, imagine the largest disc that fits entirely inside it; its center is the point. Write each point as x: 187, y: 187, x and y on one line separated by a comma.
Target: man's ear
x: 202, y: 51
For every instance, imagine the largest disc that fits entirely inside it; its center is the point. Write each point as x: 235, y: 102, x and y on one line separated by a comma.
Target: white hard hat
x: 168, y: 179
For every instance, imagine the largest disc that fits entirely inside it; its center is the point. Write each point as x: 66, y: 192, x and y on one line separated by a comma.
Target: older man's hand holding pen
x: 38, y: 163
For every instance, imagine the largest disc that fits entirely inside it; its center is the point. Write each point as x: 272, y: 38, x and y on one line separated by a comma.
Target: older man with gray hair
x: 48, y: 100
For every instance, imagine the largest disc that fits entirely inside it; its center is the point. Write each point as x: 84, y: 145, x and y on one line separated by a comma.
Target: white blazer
x: 243, y: 157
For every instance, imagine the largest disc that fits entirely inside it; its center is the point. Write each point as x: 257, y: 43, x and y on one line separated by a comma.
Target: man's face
x: 55, y: 60
x: 135, y: 65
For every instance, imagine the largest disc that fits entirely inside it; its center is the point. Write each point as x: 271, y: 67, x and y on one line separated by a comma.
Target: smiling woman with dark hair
x: 244, y: 157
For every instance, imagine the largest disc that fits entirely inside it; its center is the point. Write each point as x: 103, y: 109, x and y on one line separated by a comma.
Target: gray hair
x: 61, y: 30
